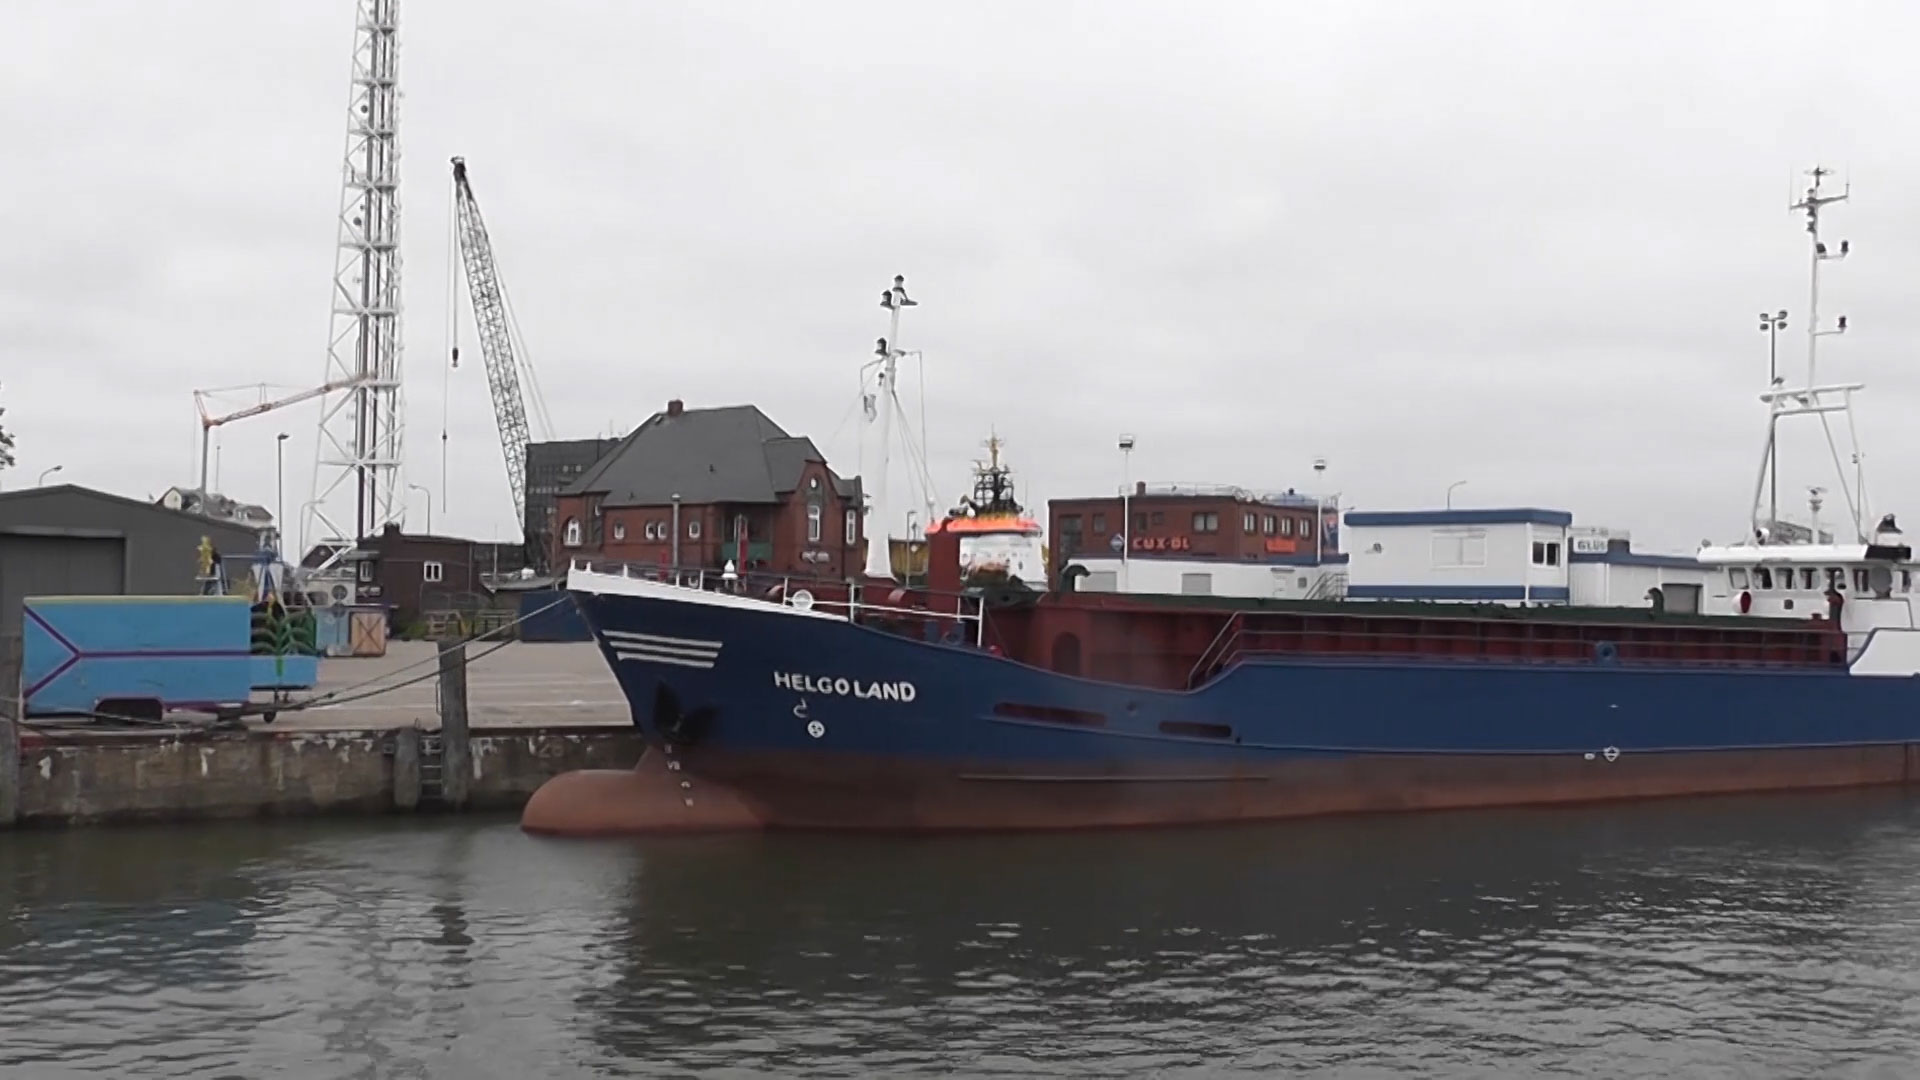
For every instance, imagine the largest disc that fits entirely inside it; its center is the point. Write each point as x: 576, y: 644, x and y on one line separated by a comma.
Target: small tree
x: 6, y: 445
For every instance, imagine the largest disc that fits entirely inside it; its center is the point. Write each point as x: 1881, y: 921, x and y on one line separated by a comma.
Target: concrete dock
x: 531, y: 711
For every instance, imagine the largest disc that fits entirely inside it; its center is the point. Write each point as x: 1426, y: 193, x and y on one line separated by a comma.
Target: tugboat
x: 999, y: 544
x: 865, y: 705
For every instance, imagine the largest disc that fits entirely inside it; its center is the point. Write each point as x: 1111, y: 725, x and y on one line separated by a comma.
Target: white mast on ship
x: 881, y: 407
x: 1815, y: 399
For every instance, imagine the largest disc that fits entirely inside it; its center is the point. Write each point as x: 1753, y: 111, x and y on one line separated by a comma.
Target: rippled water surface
x: 1762, y: 937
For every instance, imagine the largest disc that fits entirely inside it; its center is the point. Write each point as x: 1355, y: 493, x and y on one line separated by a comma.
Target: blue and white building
x: 1515, y: 555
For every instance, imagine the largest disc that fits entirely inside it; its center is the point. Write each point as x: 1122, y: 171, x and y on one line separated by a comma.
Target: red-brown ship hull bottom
x: 900, y: 794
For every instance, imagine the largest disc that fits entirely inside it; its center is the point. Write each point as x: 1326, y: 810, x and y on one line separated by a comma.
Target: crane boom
x: 496, y: 344
x: 208, y: 421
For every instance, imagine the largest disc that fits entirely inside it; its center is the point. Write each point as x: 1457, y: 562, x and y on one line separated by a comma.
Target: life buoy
x: 1606, y: 652
x: 1746, y: 602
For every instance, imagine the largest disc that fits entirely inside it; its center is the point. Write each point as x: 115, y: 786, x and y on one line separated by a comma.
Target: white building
x: 1519, y: 555
x: 1277, y: 578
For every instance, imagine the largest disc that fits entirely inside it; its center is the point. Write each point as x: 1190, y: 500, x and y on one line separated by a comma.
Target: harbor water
x: 1746, y: 937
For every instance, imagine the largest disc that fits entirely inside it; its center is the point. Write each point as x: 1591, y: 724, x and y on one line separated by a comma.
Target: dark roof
x: 238, y: 528
x: 732, y: 454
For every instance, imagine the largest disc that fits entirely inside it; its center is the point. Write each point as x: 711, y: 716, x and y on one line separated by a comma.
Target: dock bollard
x: 456, y: 770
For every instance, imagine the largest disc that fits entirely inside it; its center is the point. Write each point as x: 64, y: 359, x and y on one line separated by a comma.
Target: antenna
x: 1811, y: 204
x: 887, y: 349
x: 1813, y: 398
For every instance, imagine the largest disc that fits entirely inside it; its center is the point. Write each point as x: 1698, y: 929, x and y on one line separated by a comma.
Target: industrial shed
x: 74, y: 541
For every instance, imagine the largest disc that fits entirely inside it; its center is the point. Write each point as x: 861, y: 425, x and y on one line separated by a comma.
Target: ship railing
x: 802, y: 590
x: 1215, y: 655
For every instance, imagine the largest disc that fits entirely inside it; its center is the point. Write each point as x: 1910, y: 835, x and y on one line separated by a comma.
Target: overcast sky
x: 1522, y: 245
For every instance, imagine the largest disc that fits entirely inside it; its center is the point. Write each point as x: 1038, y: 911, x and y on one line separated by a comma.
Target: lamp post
x: 280, y: 490
x: 429, y: 494
x: 1319, y: 507
x: 1450, y: 488
x: 1126, y: 507
x: 44, y: 473
x: 1771, y: 325
x: 676, y: 538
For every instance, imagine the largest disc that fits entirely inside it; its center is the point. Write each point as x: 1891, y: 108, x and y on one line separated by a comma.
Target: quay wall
x: 74, y: 778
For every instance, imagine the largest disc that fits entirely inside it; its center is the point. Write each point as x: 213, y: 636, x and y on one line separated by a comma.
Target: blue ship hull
x: 818, y: 722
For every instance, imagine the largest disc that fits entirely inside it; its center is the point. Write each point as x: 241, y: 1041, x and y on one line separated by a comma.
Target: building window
x: 1140, y: 522
x: 813, y: 523
x: 1251, y: 523
x: 1206, y: 522
x: 741, y: 530
x: 430, y: 571
x: 1070, y: 523
x: 1286, y: 526
x: 1453, y: 550
x: 573, y: 532
x: 853, y: 526
x: 649, y: 531
x: 619, y: 530
x: 1546, y: 553
x: 693, y: 529
x: 1306, y: 527
x: 1099, y: 523
x: 1273, y: 524
x: 1159, y: 518
x: 365, y: 572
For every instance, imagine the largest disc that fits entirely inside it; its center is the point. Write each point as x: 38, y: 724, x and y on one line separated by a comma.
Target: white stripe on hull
x: 705, y: 661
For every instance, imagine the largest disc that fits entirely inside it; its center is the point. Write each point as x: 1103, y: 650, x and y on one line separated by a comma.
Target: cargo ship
x: 865, y: 705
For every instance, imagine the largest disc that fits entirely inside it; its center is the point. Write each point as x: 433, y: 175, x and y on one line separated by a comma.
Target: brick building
x: 1193, y: 521
x: 740, y: 487
x: 551, y: 466
x: 416, y: 573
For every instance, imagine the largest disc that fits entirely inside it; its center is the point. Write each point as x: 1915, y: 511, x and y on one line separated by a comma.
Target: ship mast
x: 1814, y: 399
x: 881, y: 407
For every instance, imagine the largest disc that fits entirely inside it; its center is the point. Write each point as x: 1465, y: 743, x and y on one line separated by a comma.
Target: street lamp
x: 1319, y: 507
x: 1126, y: 506
x: 1450, y: 488
x: 429, y: 495
x: 1771, y: 325
x: 280, y: 488
x: 44, y: 473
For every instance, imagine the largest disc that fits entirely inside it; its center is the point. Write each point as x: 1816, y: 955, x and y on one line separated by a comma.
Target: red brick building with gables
x: 739, y: 487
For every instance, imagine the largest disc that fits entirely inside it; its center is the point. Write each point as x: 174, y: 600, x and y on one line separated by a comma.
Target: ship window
x: 619, y: 530
x: 1099, y: 523
x: 1906, y: 581
x: 813, y: 523
x: 1762, y: 578
x: 1051, y: 714
x: 853, y: 526
x: 573, y: 532
x: 1196, y: 584
x: 1738, y: 576
x: 1194, y: 729
x: 1836, y: 579
x: 1860, y: 579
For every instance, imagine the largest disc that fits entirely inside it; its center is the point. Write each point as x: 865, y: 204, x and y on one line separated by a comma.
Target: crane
x: 209, y: 421
x: 493, y: 318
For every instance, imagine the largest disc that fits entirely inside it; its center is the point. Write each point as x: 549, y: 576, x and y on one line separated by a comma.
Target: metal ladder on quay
x: 432, y: 759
